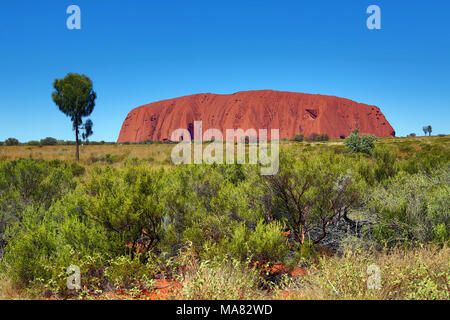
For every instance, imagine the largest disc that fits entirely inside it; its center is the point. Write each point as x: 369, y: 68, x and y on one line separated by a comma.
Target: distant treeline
x: 49, y: 141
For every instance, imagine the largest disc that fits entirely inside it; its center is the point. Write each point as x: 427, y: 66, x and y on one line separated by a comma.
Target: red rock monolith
x: 292, y: 113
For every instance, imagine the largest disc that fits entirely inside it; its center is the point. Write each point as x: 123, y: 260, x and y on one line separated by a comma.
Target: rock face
x: 290, y: 112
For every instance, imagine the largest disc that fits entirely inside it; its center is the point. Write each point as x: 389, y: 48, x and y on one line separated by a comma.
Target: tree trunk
x: 77, y: 142
x: 299, y: 232
x: 303, y: 233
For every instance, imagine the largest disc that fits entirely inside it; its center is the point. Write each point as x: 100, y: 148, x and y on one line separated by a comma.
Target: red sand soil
x: 292, y: 113
x: 163, y: 290
x: 282, y: 269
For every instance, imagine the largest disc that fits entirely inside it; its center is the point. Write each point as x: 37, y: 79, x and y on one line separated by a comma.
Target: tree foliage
x: 87, y: 127
x: 48, y: 141
x: 12, y: 142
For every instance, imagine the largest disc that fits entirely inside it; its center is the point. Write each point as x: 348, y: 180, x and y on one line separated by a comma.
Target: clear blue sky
x: 137, y: 52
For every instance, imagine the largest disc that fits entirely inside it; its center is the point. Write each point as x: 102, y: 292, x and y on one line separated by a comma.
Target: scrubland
x: 331, y: 224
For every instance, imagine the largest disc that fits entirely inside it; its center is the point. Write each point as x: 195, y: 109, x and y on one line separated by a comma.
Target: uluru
x: 290, y: 112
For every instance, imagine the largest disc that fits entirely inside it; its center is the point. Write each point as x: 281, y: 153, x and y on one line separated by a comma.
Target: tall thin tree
x: 75, y: 98
x: 425, y: 130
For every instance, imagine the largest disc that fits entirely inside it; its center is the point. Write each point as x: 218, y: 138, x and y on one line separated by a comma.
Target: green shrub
x: 33, y: 143
x: 318, y: 137
x: 412, y: 209
x: 267, y: 243
x: 311, y: 191
x: 299, y: 137
x: 356, y: 143
x: 426, y: 160
x: 128, y: 271
x: 43, y: 243
x: 365, y: 169
x: 322, y: 137
x: 107, y: 158
x: 30, y: 184
x: 127, y: 205
x: 205, y: 203
x: 12, y: 142
x: 49, y: 141
x: 264, y: 243
x: 149, y: 141
x: 313, y: 136
x: 76, y: 169
x: 385, y: 163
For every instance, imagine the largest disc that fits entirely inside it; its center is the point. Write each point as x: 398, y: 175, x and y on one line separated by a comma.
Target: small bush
x: 385, y: 163
x: 149, y: 141
x: 299, y: 137
x: 49, y: 141
x: 33, y: 143
x: 313, y: 136
x: 356, y: 143
x: 106, y: 158
x: 127, y: 205
x: 322, y: 137
x: 128, y: 271
x: 265, y: 243
x: 12, y: 142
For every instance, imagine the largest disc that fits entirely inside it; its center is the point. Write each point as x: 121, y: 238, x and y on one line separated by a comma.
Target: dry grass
x: 155, y: 155
x: 405, y: 274
x: 9, y: 292
x: 222, y: 278
x: 158, y: 154
x: 228, y: 280
x: 422, y: 273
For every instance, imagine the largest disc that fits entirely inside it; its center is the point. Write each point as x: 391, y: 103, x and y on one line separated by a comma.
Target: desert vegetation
x: 138, y: 226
